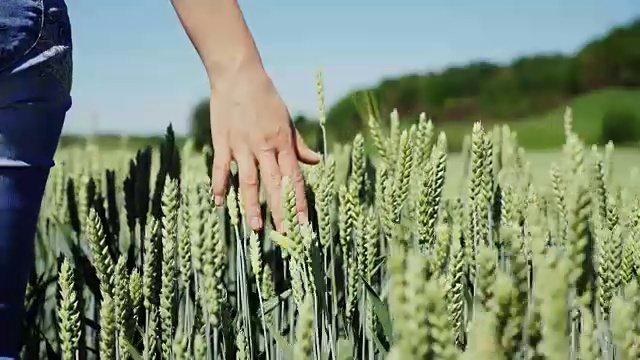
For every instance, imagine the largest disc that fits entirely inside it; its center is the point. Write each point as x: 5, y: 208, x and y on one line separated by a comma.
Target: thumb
x: 305, y: 154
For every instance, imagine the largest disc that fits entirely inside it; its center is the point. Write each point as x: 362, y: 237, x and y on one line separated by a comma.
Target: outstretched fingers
x: 274, y: 163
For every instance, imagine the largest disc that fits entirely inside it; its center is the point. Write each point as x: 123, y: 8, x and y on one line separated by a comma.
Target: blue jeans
x: 35, y: 85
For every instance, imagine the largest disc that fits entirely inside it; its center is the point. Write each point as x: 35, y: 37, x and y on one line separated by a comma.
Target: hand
x: 251, y: 125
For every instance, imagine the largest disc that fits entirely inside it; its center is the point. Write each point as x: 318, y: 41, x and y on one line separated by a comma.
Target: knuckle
x: 274, y: 178
x: 265, y: 146
x: 250, y: 180
x: 286, y: 150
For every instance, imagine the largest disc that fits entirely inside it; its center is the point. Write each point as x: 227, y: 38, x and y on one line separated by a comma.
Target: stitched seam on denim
x: 53, y: 51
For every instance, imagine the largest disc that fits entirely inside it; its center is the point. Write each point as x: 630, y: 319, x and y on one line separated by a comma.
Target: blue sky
x: 135, y: 70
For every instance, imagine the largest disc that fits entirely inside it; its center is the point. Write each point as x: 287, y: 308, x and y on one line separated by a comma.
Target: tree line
x: 527, y: 86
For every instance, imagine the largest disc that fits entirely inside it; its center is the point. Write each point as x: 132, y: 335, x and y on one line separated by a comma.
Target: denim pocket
x: 21, y: 23
x: 53, y: 49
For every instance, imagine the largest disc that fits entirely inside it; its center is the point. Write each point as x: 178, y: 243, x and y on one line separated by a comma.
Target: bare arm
x: 249, y: 121
x: 220, y: 35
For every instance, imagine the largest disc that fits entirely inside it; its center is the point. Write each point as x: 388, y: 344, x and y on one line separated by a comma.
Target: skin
x: 250, y: 123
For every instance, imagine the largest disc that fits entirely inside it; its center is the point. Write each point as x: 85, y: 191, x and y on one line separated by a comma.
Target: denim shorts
x: 35, y: 86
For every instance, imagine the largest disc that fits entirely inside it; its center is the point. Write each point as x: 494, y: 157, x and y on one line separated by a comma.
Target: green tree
x: 529, y: 85
x: 613, y: 59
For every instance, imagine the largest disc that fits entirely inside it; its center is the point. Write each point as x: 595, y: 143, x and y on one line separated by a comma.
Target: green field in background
x: 624, y: 162
x: 535, y: 132
x: 547, y: 131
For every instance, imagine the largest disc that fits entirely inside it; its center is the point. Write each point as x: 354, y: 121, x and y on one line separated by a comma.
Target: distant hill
x: 528, y: 88
x: 546, y: 130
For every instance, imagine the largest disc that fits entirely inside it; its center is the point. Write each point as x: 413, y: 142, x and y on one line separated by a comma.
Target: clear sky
x: 135, y: 70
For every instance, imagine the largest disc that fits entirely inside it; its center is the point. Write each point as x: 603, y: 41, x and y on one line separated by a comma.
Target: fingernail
x: 256, y: 223
x: 219, y: 200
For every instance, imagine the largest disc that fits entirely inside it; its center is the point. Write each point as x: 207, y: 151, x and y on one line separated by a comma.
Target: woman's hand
x: 251, y: 125
x: 249, y: 122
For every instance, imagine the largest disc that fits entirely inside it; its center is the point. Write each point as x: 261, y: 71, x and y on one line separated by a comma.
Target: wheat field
x: 408, y: 255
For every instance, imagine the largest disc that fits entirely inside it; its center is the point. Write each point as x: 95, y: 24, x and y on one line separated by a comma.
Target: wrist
x: 242, y: 65
x: 244, y: 75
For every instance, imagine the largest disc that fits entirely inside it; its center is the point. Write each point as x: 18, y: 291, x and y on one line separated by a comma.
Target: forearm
x: 220, y: 35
